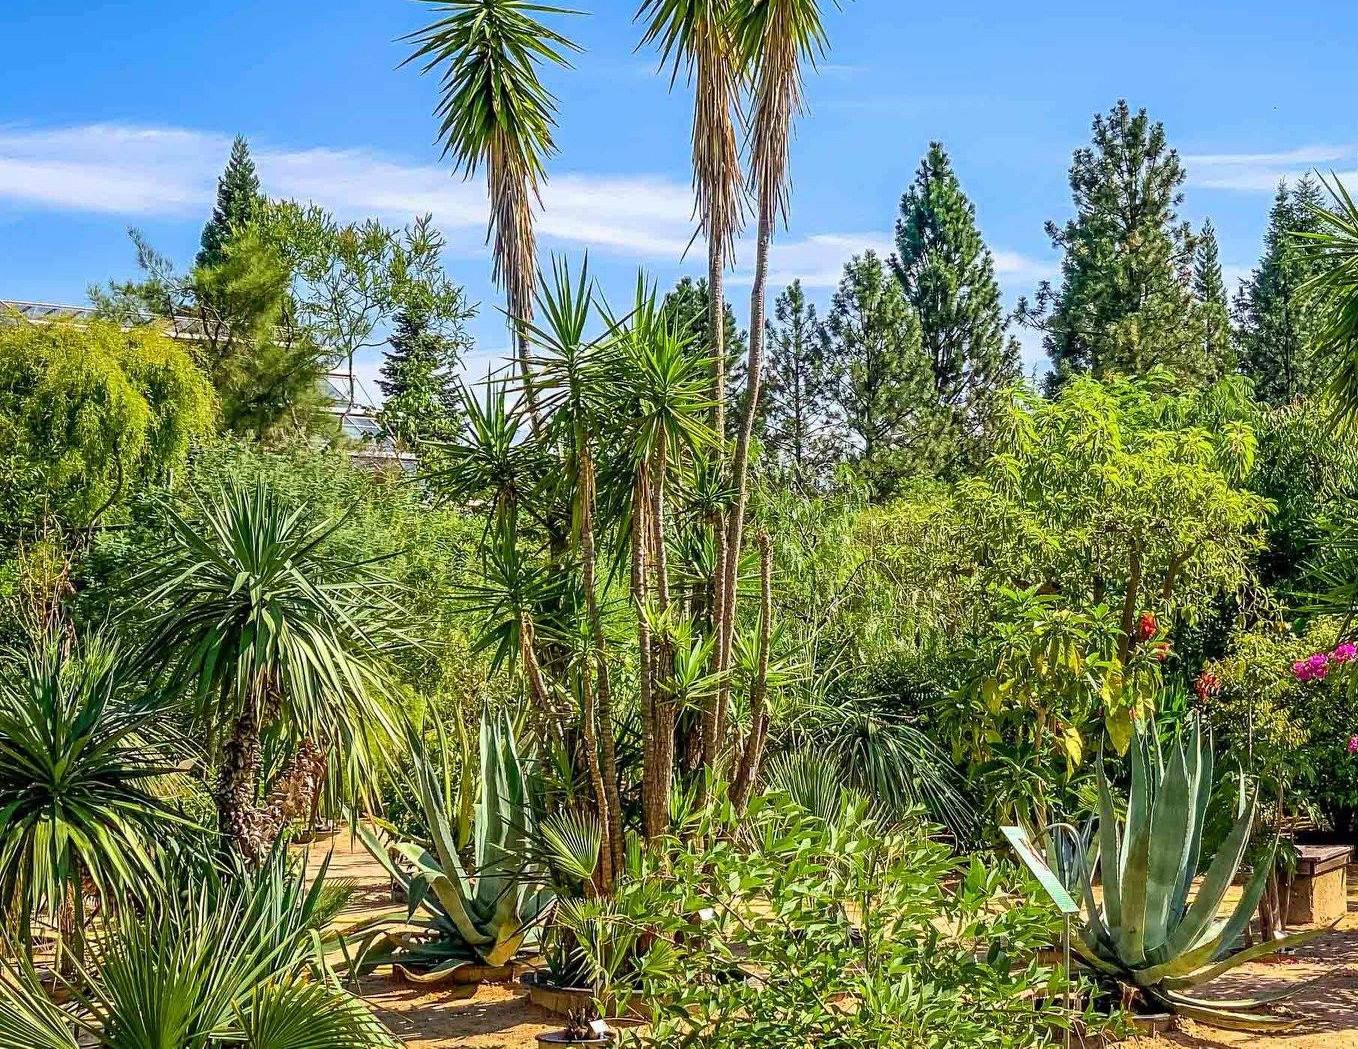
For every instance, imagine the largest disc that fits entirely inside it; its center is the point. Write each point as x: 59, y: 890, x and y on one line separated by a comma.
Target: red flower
x: 1206, y: 685
x: 1161, y: 650
x: 1147, y: 626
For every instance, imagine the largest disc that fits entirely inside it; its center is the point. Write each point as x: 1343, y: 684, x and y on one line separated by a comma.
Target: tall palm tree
x: 267, y: 630
x: 697, y: 36
x: 80, y: 753
x: 774, y: 38
x: 493, y: 109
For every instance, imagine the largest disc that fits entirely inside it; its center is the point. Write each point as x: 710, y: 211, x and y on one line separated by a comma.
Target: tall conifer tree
x: 238, y: 203
x: 886, y: 389
x: 799, y: 388
x: 1209, y: 288
x: 948, y: 276
x: 1125, y: 303
x: 419, y: 380
x: 1276, y: 324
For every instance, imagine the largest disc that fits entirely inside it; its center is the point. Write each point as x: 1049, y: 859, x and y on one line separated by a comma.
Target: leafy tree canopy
x: 88, y: 413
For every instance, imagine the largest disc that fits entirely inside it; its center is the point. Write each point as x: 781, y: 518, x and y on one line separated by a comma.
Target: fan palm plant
x: 267, y: 630
x: 80, y: 753
x: 494, y: 110
x: 773, y: 39
x: 211, y: 964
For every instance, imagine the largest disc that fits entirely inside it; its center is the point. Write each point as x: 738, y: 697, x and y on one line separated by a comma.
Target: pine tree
x: 1209, y: 288
x: 238, y: 203
x: 419, y: 381
x: 948, y: 276
x: 1125, y: 303
x: 799, y: 388
x: 886, y: 394
x: 1276, y: 325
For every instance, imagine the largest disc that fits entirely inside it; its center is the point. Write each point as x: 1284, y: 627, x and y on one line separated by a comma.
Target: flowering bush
x: 1287, y: 706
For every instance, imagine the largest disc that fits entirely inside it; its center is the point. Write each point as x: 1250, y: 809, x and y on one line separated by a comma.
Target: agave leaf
x: 1110, y: 845
x: 1232, y: 1019
x: 1135, y: 874
x: 1207, y: 903
x: 1170, y: 839
x: 1200, y: 771
x: 1255, y: 1002
x: 1249, y: 954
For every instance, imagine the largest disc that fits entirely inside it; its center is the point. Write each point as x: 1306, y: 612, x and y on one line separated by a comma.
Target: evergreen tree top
x: 238, y: 203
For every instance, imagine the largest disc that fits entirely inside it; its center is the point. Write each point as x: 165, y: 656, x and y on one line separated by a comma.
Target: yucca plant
x: 456, y: 916
x: 81, y: 751
x: 1146, y: 932
x: 272, y: 635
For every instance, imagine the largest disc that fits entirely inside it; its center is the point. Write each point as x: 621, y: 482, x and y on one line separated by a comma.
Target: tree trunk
x: 736, y: 519
x: 603, y: 768
x: 238, y: 784
x: 747, y: 775
x: 661, y: 754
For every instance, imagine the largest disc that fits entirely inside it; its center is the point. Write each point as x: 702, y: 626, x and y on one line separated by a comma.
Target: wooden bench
x: 1320, y: 885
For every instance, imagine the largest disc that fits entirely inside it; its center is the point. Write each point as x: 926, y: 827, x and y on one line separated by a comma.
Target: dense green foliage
x: 948, y: 275
x: 89, y: 415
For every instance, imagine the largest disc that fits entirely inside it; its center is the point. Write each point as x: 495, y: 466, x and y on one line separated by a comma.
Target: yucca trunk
x: 735, y: 523
x: 645, y: 654
x: 659, y: 755
x: 747, y: 774
x: 511, y: 197
x: 238, y: 783
x: 549, y: 718
x: 600, y: 750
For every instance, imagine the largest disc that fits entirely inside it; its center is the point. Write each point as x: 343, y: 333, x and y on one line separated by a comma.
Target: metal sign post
x: 1051, y: 885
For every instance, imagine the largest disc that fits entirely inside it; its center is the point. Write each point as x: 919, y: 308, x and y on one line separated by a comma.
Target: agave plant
x: 1147, y: 933
x: 494, y: 911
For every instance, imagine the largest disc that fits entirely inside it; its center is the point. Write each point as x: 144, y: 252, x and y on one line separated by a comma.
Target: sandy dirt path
x: 500, y: 1017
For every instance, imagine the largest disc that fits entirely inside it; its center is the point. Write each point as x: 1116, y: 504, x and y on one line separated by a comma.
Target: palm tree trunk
x: 645, y: 654
x: 747, y: 775
x: 740, y: 467
x: 238, y: 784
x: 660, y: 756
x: 549, y: 718
x: 511, y: 198
x: 716, y: 321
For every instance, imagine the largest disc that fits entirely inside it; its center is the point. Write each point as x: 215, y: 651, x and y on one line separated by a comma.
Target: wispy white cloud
x: 168, y: 172
x: 110, y: 168
x: 1011, y: 267
x: 147, y: 172
x: 1256, y: 172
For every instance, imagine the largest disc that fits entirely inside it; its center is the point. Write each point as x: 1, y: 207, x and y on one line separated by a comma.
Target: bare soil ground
x: 501, y: 1017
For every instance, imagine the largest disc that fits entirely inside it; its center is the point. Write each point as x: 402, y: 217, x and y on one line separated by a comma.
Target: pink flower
x: 1345, y: 653
x: 1353, y: 744
x: 1301, y: 670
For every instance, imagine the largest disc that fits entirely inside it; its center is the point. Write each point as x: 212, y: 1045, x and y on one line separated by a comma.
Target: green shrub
x: 786, y: 928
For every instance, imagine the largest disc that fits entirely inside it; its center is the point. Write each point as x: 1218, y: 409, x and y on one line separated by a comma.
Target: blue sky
x: 117, y: 114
